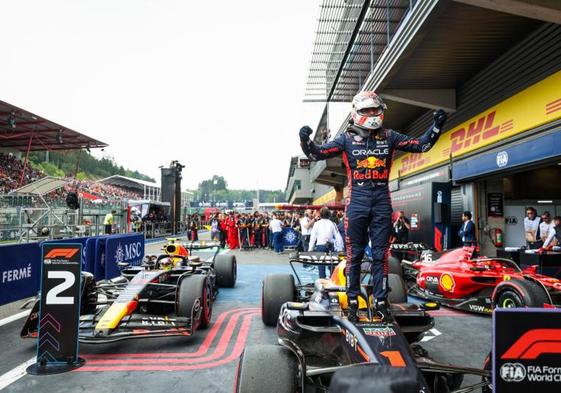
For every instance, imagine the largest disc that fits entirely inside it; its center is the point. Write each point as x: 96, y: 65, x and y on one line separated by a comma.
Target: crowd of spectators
x: 11, y: 169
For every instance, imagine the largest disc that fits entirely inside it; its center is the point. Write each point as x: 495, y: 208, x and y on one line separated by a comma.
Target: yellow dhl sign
x: 538, y: 104
x: 326, y: 198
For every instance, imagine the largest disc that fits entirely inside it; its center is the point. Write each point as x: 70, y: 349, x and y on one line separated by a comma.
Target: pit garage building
x: 495, y: 66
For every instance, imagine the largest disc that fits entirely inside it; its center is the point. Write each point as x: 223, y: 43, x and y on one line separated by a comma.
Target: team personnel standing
x: 532, y: 229
x: 325, y: 237
x: 306, y: 224
x: 546, y: 226
x: 467, y: 230
x: 367, y: 149
x: 276, y: 229
x: 554, y: 238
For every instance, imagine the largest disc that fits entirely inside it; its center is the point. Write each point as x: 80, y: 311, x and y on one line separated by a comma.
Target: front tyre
x: 194, y: 299
x: 519, y: 294
x: 267, y: 368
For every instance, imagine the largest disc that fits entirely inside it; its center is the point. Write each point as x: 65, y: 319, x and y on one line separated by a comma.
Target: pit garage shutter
x: 456, y: 210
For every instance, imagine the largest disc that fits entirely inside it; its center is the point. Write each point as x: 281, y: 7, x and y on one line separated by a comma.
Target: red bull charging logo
x: 371, y: 163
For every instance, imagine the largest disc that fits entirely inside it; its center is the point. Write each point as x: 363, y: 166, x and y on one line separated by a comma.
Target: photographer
x: 401, y: 227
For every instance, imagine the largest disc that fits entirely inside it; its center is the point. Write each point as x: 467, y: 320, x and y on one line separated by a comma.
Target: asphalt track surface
x: 206, y: 362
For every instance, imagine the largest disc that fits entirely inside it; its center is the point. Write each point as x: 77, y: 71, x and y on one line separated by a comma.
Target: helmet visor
x: 372, y: 111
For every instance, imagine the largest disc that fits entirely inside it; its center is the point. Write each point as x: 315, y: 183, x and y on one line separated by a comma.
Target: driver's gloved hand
x: 305, y: 133
x: 439, y: 119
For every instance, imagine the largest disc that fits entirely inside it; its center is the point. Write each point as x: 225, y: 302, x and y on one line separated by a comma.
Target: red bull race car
x: 461, y: 280
x: 168, y: 295
x: 321, y: 350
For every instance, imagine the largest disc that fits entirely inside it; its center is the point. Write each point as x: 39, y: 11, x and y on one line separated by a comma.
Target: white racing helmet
x: 367, y: 110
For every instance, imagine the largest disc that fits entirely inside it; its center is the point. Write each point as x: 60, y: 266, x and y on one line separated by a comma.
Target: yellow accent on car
x: 112, y: 317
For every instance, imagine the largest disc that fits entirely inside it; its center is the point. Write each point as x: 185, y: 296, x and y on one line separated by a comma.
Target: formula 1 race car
x: 168, y: 295
x: 460, y: 280
x: 321, y: 350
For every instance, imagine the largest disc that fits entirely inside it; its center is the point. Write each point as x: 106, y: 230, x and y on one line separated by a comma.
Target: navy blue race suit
x: 368, y: 205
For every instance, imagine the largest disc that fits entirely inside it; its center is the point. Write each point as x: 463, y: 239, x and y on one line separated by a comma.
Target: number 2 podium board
x: 59, y: 316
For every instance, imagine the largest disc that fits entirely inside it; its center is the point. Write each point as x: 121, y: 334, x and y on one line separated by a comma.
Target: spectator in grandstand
x: 325, y: 237
x: 467, y: 230
x: 276, y: 229
x: 401, y: 228
x: 108, y: 222
x: 532, y: 229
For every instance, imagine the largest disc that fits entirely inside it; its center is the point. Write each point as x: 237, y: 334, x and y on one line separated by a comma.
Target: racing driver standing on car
x: 367, y: 149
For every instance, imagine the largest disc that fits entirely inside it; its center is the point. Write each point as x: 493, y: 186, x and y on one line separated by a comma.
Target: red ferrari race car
x: 460, y: 280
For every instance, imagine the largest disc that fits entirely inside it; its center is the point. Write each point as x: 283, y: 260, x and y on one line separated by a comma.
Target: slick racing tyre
x: 267, y: 368
x: 394, y: 265
x: 520, y: 293
x: 398, y: 290
x: 194, y: 295
x: 88, y: 301
x: 277, y: 289
x: 226, y: 269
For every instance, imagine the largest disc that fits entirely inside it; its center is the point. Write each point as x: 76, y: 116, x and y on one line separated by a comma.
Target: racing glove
x: 439, y: 119
x: 305, y: 133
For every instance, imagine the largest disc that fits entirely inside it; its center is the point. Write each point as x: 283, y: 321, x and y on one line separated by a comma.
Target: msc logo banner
x: 527, y: 350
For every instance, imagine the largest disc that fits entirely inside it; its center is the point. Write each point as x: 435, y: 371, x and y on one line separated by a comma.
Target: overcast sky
x: 217, y: 85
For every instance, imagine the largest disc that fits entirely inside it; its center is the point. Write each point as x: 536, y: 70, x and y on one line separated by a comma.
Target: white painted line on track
x: 14, y: 317
x: 14, y: 374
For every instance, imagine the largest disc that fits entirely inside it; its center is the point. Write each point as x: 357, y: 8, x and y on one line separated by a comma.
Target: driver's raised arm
x: 320, y: 152
x: 423, y: 143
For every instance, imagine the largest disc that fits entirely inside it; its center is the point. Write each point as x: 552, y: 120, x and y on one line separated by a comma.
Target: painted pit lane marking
x: 435, y: 333
x: 14, y: 317
x: 183, y: 361
x: 14, y: 374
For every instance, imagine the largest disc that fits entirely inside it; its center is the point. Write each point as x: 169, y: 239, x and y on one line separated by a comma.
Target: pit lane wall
x: 20, y: 265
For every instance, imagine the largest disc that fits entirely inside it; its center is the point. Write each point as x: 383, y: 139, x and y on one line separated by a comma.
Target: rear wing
x: 203, y: 245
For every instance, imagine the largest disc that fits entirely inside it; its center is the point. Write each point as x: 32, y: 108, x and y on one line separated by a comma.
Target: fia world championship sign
x: 60, y: 304
x: 526, y: 350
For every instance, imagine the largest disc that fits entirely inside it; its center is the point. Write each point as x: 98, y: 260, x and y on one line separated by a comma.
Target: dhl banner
x: 538, y: 104
x: 326, y: 198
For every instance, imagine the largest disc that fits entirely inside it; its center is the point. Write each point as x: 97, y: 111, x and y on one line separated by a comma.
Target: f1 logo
x: 65, y: 253
x: 534, y: 343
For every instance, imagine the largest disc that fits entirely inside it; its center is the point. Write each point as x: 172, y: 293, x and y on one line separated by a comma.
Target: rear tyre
x: 226, y: 269
x: 267, y: 368
x: 277, y: 289
x: 520, y: 293
x: 398, y: 290
x: 394, y: 265
x: 194, y: 296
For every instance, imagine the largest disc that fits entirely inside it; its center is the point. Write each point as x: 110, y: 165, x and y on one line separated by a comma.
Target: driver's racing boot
x: 353, y: 310
x: 383, y: 310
